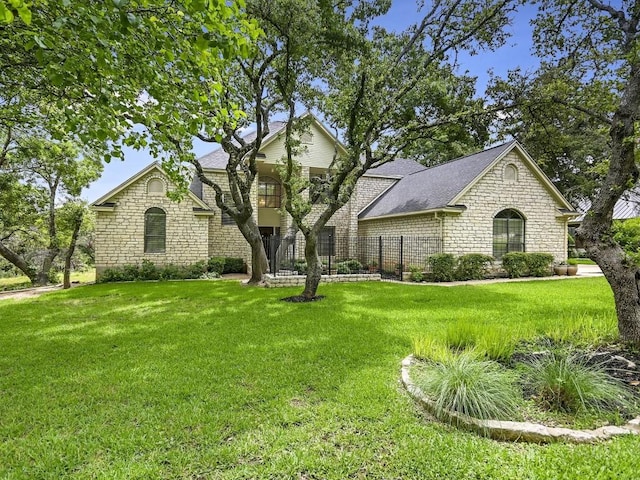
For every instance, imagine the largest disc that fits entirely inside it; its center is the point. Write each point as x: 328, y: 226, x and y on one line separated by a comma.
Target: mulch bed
x: 618, y: 360
x: 302, y: 299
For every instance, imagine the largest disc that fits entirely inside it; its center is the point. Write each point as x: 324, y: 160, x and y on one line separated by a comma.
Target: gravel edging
x: 516, y: 431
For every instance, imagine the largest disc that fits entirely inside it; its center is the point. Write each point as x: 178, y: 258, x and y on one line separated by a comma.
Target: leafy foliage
x: 539, y: 264
x: 515, y: 264
x: 149, y: 271
x: 473, y: 266
x: 442, y: 267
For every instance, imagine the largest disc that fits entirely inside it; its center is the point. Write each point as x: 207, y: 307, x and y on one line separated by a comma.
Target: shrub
x: 348, y: 266
x: 195, y: 270
x: 442, y: 267
x: 300, y: 266
x: 473, y: 266
x: 233, y: 265
x: 565, y: 382
x: 515, y: 264
x: 627, y: 234
x: 148, y: 271
x: 416, y: 273
x: 466, y: 385
x: 539, y: 264
x: 216, y: 264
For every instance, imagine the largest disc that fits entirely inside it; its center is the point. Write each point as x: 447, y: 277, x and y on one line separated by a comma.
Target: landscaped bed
x: 217, y: 380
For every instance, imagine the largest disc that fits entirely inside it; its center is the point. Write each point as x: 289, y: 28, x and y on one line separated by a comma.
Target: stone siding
x: 226, y: 240
x: 472, y: 231
x: 119, y: 238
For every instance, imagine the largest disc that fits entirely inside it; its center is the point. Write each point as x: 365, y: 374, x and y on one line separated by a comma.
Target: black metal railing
x: 387, y: 255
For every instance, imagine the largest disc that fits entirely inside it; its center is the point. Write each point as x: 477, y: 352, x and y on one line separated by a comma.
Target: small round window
x: 510, y: 173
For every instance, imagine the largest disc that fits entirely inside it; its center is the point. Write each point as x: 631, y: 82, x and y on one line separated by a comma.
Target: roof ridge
x: 502, y: 145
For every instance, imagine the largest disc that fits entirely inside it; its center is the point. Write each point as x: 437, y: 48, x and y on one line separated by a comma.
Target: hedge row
x: 446, y: 268
x: 213, y: 268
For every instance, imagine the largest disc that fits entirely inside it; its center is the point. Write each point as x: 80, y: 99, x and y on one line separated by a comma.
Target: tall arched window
x: 268, y: 193
x: 155, y: 230
x: 508, y: 233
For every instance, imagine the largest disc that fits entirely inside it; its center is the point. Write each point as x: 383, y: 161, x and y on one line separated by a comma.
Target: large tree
x: 570, y: 145
x: 37, y: 176
x: 391, y: 94
x: 587, y: 43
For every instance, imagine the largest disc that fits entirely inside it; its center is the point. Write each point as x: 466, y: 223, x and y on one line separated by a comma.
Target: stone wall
x: 119, y: 238
x: 472, y: 231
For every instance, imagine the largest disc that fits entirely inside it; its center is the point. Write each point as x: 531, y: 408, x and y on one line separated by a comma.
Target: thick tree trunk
x: 314, y: 267
x: 19, y: 262
x: 259, y: 262
x: 66, y: 282
x: 595, y: 232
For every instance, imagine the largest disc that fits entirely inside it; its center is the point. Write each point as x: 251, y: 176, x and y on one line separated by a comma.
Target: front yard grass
x: 215, y: 380
x: 22, y: 281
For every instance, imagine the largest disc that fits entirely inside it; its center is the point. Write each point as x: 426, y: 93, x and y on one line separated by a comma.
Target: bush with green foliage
x: 539, y: 264
x: 627, y: 234
x: 348, y: 266
x: 149, y: 271
x: 467, y: 385
x: 234, y: 265
x: 216, y: 264
x: 515, y: 264
x: 416, y: 273
x: 300, y: 266
x: 473, y: 266
x: 443, y: 266
x: 565, y: 382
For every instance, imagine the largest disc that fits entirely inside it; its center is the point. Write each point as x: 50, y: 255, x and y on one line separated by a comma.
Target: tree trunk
x: 314, y: 267
x: 259, y: 262
x: 595, y: 232
x: 286, y: 241
x: 66, y: 283
x: 19, y: 262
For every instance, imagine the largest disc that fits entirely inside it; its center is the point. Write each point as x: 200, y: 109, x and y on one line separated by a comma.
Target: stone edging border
x: 516, y: 431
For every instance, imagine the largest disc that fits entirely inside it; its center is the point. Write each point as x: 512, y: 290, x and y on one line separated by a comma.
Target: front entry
x: 271, y: 241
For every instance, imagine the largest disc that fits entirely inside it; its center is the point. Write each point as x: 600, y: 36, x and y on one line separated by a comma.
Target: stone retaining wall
x: 298, y: 280
x: 516, y: 431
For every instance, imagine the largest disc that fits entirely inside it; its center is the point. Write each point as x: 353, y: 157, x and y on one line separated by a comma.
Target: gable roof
x: 217, y: 159
x: 442, y: 186
x: 148, y: 169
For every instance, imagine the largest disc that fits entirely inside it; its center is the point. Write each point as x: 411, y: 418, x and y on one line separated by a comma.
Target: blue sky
x: 515, y: 53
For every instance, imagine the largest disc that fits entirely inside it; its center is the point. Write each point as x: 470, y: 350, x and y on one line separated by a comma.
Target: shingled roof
x: 398, y: 168
x: 218, y: 158
x: 435, y: 187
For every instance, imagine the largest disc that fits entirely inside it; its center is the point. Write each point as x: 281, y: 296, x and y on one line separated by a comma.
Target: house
x: 491, y: 202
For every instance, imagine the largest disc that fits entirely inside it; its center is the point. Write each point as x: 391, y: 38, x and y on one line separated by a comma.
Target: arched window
x: 268, y: 193
x: 155, y: 185
x: 508, y: 233
x: 510, y: 173
x: 155, y: 230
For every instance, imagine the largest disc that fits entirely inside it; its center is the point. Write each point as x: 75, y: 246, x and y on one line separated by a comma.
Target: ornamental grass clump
x: 466, y: 385
x: 565, y: 382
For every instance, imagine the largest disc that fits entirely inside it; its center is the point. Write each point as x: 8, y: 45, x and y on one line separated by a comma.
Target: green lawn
x: 22, y: 281
x: 215, y: 380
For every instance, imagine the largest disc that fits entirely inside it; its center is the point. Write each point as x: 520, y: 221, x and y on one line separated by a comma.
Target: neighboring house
x: 491, y: 202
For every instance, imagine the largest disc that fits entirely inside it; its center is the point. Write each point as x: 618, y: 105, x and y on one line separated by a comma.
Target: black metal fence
x: 387, y: 255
